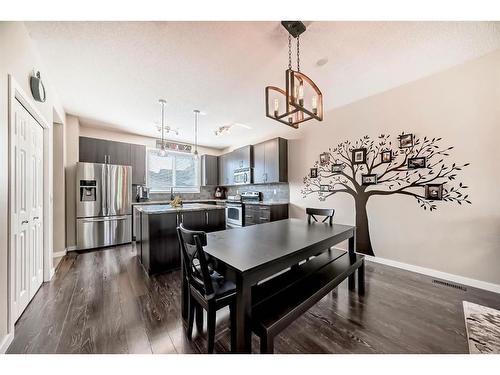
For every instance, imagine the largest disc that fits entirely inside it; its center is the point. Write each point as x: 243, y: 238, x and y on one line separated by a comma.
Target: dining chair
x: 206, y: 288
x: 326, y: 212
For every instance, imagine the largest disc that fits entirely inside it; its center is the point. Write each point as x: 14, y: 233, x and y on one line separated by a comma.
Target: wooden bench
x: 279, y: 301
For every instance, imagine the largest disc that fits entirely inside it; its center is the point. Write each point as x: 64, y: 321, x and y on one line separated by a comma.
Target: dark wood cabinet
x: 93, y: 150
x: 209, y: 170
x: 118, y: 153
x: 271, y: 161
x: 157, y: 244
x: 138, y: 163
x: 242, y: 157
x: 224, y: 170
x: 260, y: 213
x: 159, y: 247
x: 215, y: 220
x: 259, y: 162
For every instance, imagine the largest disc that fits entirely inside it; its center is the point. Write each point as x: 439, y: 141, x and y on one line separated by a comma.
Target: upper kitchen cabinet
x: 209, y: 170
x: 224, y: 178
x: 94, y: 150
x: 271, y: 161
x: 242, y: 157
x: 138, y: 162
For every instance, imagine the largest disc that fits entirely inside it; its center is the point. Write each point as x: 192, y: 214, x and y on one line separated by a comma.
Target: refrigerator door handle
x: 109, y: 218
x: 108, y: 188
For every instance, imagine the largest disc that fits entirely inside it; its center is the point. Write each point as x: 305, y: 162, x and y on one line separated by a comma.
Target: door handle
x: 36, y: 218
x: 24, y: 222
x: 206, y: 217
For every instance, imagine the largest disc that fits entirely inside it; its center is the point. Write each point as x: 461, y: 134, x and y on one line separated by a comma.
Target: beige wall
x: 461, y: 105
x: 59, y: 226
x: 71, y: 136
x: 18, y: 57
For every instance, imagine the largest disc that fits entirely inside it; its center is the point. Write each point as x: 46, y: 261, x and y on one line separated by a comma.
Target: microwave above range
x: 242, y: 176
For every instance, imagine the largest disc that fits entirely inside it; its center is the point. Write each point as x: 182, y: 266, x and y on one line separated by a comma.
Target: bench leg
x: 361, y: 279
x: 266, y: 345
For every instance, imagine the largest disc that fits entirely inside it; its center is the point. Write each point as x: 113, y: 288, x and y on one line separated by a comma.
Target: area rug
x: 483, y: 328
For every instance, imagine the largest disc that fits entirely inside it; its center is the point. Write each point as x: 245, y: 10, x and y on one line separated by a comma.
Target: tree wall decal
x: 338, y: 172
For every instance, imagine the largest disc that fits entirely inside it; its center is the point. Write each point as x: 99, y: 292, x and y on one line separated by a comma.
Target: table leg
x: 243, y: 315
x: 351, y: 247
x: 361, y: 279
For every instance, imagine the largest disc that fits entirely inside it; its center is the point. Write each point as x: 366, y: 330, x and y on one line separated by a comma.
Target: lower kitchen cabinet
x: 261, y: 213
x: 158, y: 246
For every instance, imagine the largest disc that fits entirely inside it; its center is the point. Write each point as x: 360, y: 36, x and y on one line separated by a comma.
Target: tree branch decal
x: 416, y: 168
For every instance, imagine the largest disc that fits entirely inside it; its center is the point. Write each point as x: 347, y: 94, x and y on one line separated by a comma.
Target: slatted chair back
x: 326, y: 212
x: 195, y: 260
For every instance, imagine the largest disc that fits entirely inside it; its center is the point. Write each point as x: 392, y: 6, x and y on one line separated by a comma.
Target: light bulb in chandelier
x: 162, y: 152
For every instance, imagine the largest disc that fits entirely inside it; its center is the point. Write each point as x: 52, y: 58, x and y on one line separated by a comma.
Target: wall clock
x: 37, y: 88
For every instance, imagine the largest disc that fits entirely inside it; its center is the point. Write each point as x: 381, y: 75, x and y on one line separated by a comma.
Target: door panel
x: 259, y: 159
x: 272, y: 161
x: 119, y: 191
x: 27, y: 208
x: 91, y: 172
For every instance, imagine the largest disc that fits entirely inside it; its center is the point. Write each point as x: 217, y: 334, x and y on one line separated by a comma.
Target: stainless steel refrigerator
x: 103, y: 205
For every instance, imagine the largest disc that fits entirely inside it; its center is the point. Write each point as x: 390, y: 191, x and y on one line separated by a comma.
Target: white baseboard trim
x: 71, y: 248
x: 437, y: 274
x: 5, y: 343
x: 59, y: 254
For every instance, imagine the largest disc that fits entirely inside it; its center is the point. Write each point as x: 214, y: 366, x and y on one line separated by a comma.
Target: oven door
x: 234, y: 215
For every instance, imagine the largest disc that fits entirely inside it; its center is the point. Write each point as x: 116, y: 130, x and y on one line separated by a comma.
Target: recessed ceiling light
x: 322, y: 61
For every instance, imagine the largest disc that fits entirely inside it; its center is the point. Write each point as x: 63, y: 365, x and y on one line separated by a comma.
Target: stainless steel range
x: 103, y: 207
x: 235, y: 209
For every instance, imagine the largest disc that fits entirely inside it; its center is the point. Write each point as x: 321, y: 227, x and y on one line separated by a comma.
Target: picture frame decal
x: 359, y: 156
x: 406, y: 140
x: 369, y: 179
x: 386, y: 156
x: 417, y: 162
x: 434, y: 192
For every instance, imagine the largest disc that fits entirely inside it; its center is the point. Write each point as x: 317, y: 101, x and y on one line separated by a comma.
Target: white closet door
x: 21, y: 240
x: 36, y: 208
x: 27, y: 224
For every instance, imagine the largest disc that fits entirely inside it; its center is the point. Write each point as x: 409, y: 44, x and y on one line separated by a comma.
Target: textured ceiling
x: 113, y: 73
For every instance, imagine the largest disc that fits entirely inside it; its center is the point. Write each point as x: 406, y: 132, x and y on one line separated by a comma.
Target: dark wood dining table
x: 251, y: 254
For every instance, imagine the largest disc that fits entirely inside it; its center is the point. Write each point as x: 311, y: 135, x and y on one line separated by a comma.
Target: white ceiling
x: 113, y: 73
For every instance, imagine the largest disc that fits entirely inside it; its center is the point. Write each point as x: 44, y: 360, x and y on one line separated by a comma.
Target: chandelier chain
x: 298, y: 53
x: 289, y: 51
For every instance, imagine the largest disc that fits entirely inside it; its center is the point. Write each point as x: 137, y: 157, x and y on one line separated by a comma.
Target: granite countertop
x: 153, y: 202
x: 267, y: 203
x: 166, y: 208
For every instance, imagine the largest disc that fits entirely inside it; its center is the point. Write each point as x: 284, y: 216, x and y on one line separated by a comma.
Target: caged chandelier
x: 302, y: 100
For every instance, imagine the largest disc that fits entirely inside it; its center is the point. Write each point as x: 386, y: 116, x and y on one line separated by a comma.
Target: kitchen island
x: 156, y: 238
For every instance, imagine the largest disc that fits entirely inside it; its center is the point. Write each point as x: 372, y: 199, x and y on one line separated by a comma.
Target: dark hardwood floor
x: 103, y: 302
